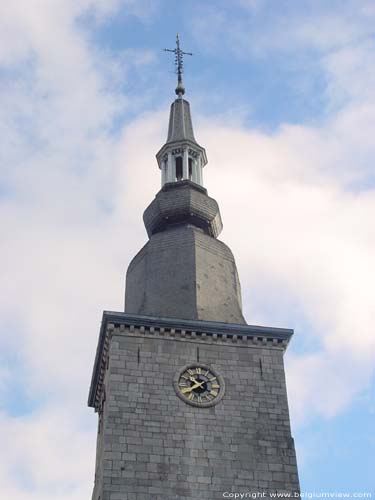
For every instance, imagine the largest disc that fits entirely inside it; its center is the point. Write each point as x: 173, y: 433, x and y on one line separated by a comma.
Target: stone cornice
x: 197, y: 331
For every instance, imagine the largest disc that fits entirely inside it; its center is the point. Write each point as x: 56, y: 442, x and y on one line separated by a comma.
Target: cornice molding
x: 173, y: 328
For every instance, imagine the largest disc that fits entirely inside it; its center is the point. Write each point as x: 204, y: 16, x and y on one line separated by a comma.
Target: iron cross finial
x: 179, y: 62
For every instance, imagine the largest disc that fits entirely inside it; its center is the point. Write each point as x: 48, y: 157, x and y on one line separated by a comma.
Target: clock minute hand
x: 196, y: 381
x: 189, y: 389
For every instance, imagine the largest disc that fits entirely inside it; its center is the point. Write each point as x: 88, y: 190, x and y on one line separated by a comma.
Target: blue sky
x: 283, y: 99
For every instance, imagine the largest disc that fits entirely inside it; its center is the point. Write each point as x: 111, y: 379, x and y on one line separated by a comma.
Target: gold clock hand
x: 196, y: 381
x: 189, y: 389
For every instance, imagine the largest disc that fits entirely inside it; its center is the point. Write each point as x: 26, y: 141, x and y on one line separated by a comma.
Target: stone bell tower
x: 191, y: 400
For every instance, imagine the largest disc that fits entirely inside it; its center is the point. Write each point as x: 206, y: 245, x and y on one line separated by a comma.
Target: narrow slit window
x: 179, y: 174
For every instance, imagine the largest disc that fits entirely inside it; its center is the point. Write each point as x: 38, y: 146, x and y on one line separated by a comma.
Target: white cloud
x: 305, y: 197
x: 46, y: 455
x: 303, y: 238
x: 63, y: 261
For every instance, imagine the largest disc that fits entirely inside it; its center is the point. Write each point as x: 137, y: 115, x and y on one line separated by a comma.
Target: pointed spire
x: 180, y: 124
x: 181, y: 158
x: 179, y: 62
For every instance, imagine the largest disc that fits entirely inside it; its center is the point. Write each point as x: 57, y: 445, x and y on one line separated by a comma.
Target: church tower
x: 191, y: 400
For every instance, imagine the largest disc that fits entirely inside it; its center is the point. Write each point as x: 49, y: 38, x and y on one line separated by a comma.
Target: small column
x: 199, y: 171
x: 170, y: 169
x: 185, y: 165
x: 194, y: 172
x: 163, y: 172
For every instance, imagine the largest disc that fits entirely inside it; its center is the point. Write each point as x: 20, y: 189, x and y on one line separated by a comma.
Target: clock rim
x: 185, y: 399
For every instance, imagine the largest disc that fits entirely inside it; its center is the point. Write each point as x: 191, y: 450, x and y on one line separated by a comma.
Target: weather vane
x: 179, y: 62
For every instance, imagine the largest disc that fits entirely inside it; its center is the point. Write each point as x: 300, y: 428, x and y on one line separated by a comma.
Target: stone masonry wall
x: 153, y: 446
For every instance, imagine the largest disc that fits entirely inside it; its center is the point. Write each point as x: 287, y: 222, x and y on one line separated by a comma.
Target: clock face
x: 199, y: 385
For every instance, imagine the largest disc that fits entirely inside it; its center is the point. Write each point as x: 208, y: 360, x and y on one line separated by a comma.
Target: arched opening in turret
x: 179, y: 173
x: 190, y: 168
